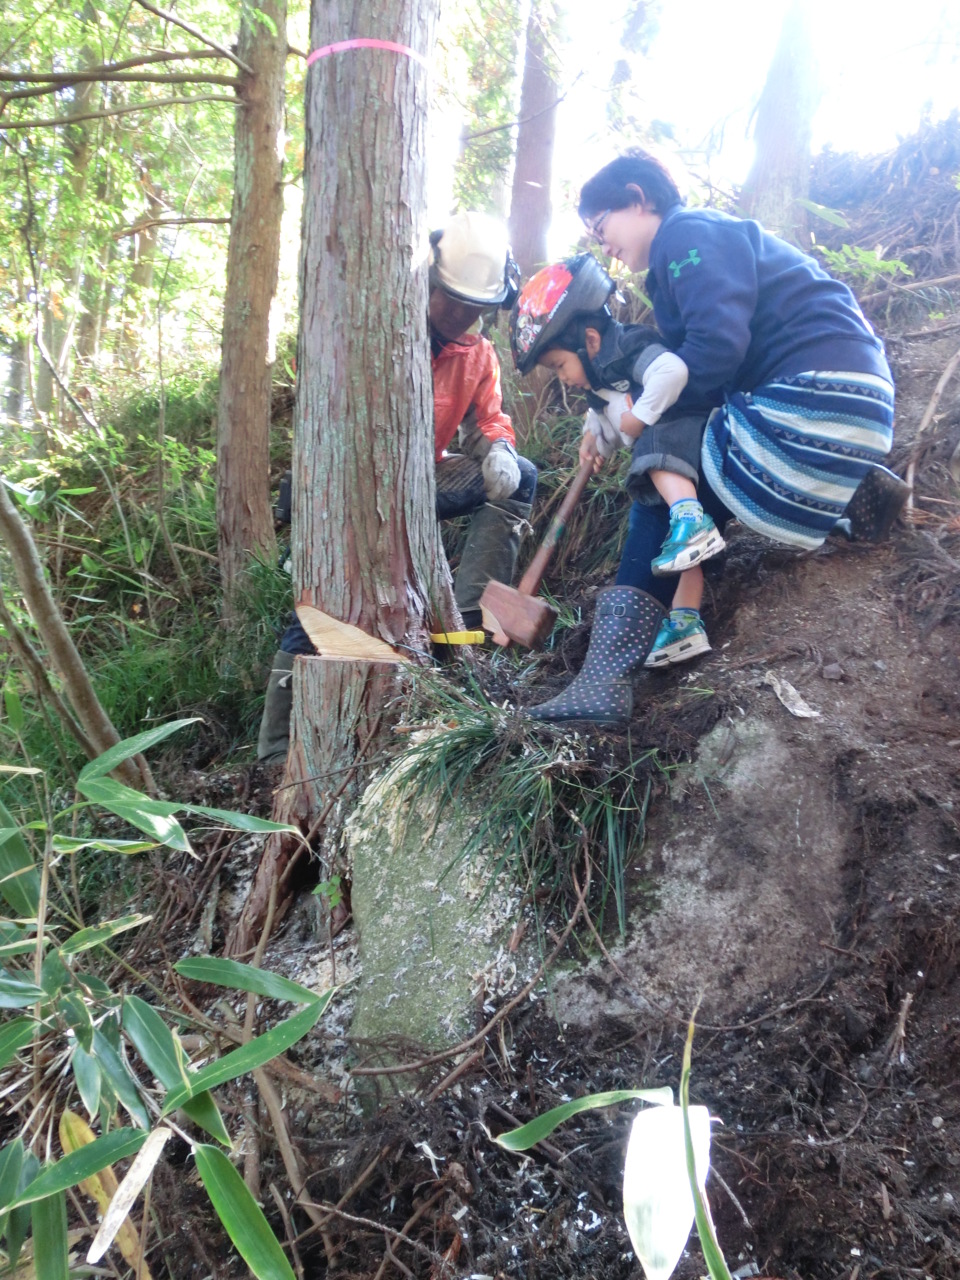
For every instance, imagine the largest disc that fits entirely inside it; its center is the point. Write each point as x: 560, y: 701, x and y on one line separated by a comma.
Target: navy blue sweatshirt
x: 741, y: 307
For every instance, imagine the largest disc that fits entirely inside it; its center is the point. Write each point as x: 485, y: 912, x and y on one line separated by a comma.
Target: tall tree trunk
x: 244, y: 520
x: 44, y: 375
x: 366, y: 545
x: 779, y: 179
x: 16, y: 378
x: 95, y: 284
x: 78, y: 142
x: 91, y: 296
x: 530, y: 206
x: 136, y: 312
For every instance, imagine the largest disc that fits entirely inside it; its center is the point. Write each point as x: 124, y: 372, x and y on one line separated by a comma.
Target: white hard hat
x: 472, y: 259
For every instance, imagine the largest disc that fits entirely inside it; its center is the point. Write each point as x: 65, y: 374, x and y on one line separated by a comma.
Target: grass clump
x: 541, y: 801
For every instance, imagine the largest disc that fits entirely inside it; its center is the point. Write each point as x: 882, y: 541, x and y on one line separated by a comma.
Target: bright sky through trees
x: 883, y: 65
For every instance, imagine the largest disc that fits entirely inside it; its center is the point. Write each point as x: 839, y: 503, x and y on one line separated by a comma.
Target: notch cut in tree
x: 366, y: 544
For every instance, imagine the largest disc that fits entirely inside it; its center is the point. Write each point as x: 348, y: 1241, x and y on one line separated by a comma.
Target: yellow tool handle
x: 457, y: 637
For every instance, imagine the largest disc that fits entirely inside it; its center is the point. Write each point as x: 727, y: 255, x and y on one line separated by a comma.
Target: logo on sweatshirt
x: 693, y: 258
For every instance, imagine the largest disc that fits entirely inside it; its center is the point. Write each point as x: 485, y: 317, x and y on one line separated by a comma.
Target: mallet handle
x: 530, y: 582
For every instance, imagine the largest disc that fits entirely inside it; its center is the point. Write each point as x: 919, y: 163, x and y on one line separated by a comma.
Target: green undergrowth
x: 126, y: 526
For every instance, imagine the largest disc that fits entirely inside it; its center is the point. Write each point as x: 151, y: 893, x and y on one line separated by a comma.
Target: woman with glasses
x: 802, y: 393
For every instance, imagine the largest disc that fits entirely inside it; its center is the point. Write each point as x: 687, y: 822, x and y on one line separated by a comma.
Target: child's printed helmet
x: 550, y: 300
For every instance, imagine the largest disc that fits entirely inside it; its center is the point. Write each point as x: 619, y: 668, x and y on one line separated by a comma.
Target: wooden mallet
x: 514, y: 613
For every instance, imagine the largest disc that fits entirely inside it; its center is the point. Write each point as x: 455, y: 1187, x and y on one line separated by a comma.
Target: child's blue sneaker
x: 678, y: 640
x: 688, y: 542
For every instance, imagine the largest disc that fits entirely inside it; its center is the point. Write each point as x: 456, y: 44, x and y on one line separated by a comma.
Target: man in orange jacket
x: 472, y: 272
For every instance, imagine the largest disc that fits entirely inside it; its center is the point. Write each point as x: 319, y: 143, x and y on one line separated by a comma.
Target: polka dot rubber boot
x: 624, y: 628
x: 879, y: 498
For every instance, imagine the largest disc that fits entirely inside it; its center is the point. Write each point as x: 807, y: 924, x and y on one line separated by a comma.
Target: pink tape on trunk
x: 365, y: 43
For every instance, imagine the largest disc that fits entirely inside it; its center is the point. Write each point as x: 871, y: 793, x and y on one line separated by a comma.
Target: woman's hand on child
x: 630, y: 424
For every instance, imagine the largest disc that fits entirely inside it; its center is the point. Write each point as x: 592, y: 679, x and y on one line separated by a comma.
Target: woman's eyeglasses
x: 595, y: 225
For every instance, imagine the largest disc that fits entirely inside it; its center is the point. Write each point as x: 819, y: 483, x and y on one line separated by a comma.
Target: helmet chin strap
x: 588, y: 369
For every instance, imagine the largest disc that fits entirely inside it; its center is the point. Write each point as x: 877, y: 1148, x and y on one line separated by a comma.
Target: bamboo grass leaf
x: 541, y: 1127
x: 155, y: 817
x: 240, y: 821
x: 127, y: 1192
x: 17, y: 993
x: 231, y: 973
x: 101, y: 1188
x: 251, y: 1055
x: 11, y: 1162
x: 162, y: 1052
x: 139, y: 743
x: 19, y: 879
x: 73, y: 844
x: 14, y: 1035
x: 50, y: 1245
x: 19, y: 1221
x: 84, y: 939
x: 712, y: 1253
x: 86, y: 1072
x: 80, y: 1164
x: 119, y: 1078
x: 241, y: 1216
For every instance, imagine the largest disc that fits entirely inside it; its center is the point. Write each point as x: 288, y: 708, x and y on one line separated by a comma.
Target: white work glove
x: 597, y: 425
x: 501, y: 471
x: 605, y: 426
x: 663, y: 381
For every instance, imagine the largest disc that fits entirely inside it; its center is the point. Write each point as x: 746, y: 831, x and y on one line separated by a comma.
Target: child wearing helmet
x: 562, y: 322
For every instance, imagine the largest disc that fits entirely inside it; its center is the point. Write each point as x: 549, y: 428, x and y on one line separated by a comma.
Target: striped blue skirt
x: 786, y: 458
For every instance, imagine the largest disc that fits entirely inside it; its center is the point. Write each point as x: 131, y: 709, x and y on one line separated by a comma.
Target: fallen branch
x: 376, y: 1226
x: 288, y: 1230
x: 927, y: 418
x: 48, y: 620
x: 908, y: 288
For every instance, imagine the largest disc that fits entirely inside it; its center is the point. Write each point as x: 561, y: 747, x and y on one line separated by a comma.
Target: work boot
x: 491, y: 549
x: 624, y: 628
x: 274, y: 735
x: 877, y: 501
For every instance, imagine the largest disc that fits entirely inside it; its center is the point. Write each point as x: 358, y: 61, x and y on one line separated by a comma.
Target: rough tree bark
x: 530, y: 204
x: 779, y: 178
x: 366, y: 544
x: 244, y: 520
